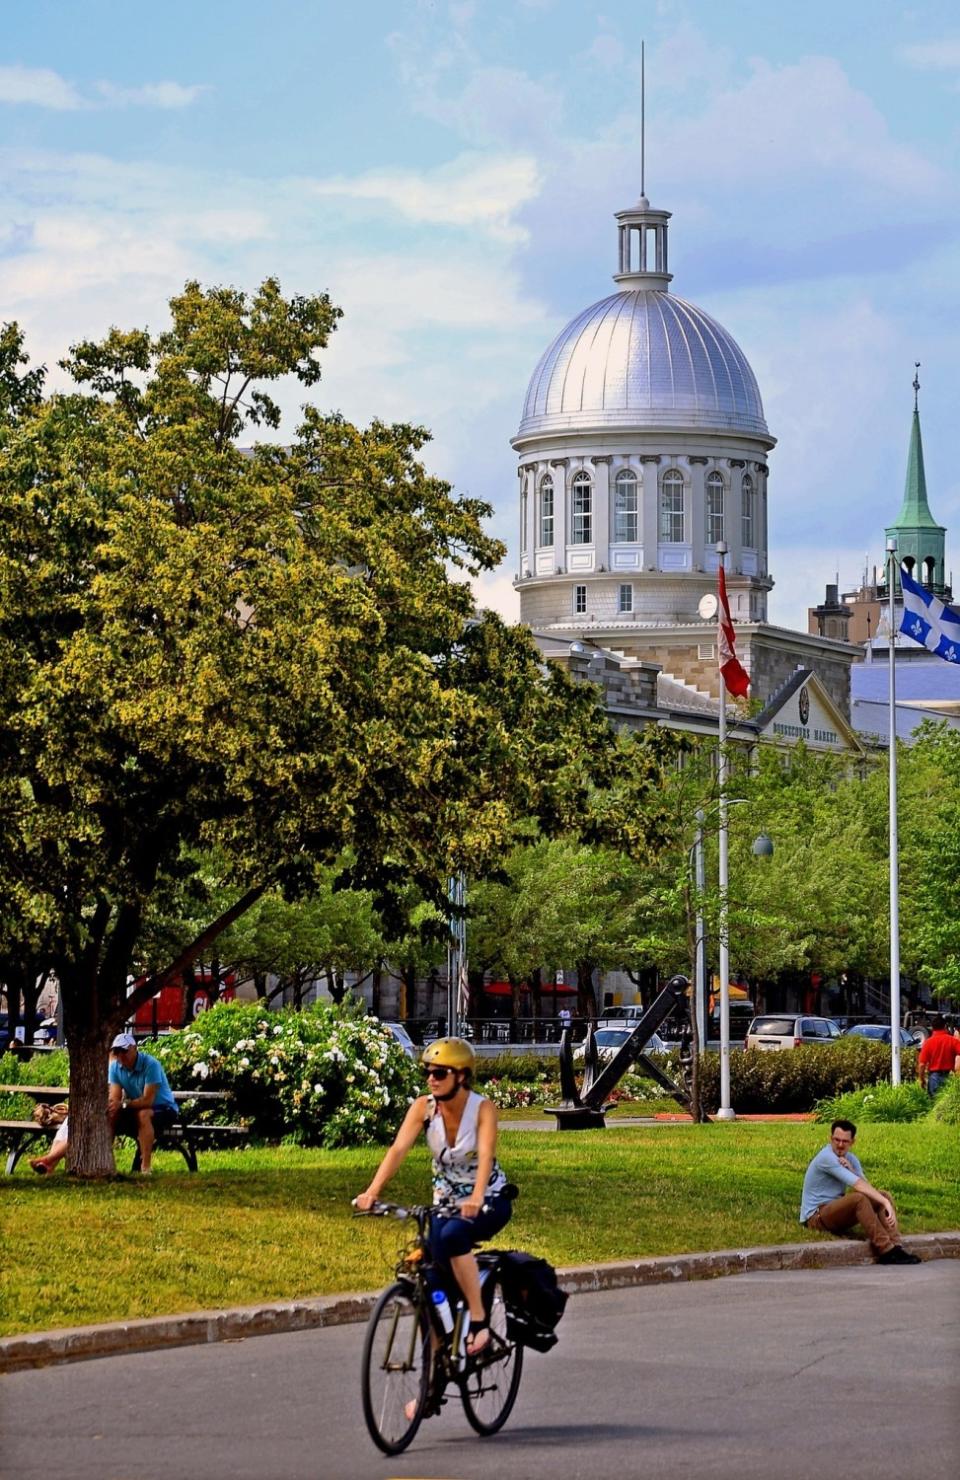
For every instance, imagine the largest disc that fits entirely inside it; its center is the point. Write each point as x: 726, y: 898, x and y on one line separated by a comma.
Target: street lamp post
x: 700, y: 964
x: 725, y: 1112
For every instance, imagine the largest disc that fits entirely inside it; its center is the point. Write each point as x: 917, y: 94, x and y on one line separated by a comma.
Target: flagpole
x: 894, y: 846
x: 725, y: 1112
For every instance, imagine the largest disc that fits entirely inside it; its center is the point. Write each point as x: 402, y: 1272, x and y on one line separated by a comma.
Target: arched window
x: 929, y: 570
x: 671, y: 507
x: 625, y: 507
x: 523, y: 517
x: 581, y: 510
x: 748, y: 518
x: 714, y: 506
x: 546, y: 511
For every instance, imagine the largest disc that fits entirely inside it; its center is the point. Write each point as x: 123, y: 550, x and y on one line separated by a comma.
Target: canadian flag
x: 735, y: 676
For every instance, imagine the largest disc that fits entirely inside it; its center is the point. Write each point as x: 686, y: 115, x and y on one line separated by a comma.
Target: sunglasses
x: 438, y: 1073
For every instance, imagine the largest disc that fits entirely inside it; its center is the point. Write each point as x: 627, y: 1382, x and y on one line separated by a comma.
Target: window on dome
x: 625, y: 508
x: 671, y: 507
x: 581, y: 511
x: 747, y: 512
x: 546, y: 511
x: 625, y: 600
x: 580, y: 600
x: 714, y: 509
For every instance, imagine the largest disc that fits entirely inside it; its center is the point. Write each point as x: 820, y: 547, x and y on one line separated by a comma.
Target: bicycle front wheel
x: 490, y: 1387
x: 396, y: 1369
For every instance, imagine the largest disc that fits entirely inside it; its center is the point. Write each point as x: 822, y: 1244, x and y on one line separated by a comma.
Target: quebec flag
x: 928, y: 620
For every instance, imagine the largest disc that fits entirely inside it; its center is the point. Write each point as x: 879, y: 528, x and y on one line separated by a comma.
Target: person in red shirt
x: 939, y: 1056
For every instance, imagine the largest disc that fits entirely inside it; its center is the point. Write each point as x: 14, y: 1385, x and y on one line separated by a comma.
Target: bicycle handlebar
x: 396, y: 1210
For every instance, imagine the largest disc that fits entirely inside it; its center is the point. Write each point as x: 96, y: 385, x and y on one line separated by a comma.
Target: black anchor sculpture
x: 585, y: 1108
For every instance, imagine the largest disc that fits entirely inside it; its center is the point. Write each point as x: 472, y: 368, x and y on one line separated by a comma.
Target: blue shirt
x: 146, y: 1070
x: 826, y: 1179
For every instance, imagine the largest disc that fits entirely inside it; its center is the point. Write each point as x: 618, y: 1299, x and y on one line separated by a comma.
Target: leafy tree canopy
x: 265, y: 652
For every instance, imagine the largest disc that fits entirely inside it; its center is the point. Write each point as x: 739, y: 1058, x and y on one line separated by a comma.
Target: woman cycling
x: 461, y: 1129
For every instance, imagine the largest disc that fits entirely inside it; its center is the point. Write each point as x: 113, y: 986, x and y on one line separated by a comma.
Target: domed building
x: 642, y: 444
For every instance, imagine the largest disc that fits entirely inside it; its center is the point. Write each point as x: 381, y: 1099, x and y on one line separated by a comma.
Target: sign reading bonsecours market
x: 808, y: 715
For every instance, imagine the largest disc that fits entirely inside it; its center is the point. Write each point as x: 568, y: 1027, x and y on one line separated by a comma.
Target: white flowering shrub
x: 324, y: 1076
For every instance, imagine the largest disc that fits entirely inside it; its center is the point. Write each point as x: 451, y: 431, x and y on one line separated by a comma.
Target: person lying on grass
x: 836, y: 1195
x: 461, y: 1131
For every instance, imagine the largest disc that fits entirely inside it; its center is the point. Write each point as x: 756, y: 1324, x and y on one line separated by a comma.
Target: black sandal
x: 475, y: 1328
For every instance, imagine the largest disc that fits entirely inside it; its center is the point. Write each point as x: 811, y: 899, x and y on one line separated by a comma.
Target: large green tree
x: 269, y: 652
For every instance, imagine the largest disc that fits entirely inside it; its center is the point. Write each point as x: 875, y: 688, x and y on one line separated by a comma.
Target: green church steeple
x: 920, y: 539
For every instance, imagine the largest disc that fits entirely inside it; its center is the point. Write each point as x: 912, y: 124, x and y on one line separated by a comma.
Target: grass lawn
x: 265, y: 1224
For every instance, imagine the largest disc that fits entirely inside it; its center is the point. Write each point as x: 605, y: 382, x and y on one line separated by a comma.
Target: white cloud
x: 606, y: 50
x: 43, y: 88
x: 470, y: 190
x: 37, y: 86
x: 151, y: 94
x: 934, y: 56
x: 494, y: 591
x: 805, y: 122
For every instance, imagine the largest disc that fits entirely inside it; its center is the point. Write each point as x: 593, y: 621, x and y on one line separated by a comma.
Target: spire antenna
x: 643, y: 120
x: 916, y: 382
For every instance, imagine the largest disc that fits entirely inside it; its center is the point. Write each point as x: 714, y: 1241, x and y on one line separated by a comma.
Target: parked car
x: 403, y: 1038
x: 880, y: 1034
x: 790, y: 1030
x: 620, y: 1015
x: 610, y: 1040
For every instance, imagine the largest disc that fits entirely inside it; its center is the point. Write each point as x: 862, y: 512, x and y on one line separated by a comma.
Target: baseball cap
x: 124, y: 1040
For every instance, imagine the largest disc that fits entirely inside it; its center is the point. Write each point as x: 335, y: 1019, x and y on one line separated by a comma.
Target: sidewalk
x: 78, y: 1343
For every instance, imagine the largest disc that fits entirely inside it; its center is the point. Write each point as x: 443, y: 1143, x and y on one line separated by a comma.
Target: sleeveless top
x: 455, y: 1167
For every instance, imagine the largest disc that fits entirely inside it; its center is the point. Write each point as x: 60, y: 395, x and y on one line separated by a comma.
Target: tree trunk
x: 536, y: 992
x: 91, y: 1145
x: 586, y: 996
x: 376, y: 982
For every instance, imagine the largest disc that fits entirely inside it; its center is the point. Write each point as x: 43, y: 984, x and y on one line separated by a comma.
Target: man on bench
x: 141, y: 1103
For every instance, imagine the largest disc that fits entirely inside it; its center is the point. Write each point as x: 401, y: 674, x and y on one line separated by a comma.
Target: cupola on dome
x: 643, y: 357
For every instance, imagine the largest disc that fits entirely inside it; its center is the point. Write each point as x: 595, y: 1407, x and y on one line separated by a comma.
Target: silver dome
x: 638, y: 359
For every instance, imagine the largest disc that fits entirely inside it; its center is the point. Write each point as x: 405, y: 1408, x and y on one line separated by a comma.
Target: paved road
x: 783, y: 1376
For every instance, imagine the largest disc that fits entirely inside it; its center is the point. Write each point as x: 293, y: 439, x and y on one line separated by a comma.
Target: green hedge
x: 877, y: 1102
x: 946, y: 1106
x: 793, y: 1080
x: 324, y: 1076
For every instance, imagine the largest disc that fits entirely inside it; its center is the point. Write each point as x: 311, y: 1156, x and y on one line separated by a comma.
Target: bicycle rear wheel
x: 396, y: 1369
x: 489, y: 1390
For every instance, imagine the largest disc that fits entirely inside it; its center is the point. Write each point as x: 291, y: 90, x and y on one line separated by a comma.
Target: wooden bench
x: 180, y: 1136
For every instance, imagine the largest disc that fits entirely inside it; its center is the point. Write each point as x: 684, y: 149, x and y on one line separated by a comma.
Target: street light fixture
x: 762, y: 847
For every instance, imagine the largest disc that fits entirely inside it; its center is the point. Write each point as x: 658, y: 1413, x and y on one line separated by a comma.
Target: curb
x: 158, y: 1333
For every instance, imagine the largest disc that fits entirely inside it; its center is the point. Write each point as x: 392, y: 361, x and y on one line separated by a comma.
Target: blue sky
x: 448, y: 172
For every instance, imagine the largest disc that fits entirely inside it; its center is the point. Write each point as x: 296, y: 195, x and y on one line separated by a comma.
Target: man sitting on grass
x: 836, y: 1195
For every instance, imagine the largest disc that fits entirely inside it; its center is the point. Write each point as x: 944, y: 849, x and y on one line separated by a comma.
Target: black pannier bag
x: 533, y: 1298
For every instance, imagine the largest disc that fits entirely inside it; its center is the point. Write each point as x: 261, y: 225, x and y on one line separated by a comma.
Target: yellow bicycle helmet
x: 449, y: 1053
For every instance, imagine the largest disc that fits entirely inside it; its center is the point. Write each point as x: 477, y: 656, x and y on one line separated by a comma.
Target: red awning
x: 504, y: 989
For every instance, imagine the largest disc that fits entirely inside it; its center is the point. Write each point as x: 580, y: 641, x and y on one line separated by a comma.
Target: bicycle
x: 410, y: 1358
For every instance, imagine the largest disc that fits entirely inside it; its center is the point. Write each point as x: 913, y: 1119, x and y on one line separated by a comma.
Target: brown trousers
x: 842, y: 1213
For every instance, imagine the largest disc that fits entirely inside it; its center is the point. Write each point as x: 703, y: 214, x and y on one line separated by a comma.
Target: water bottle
x: 442, y: 1307
x: 463, y: 1319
